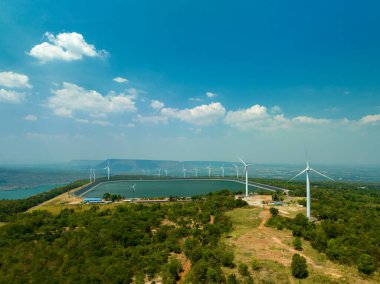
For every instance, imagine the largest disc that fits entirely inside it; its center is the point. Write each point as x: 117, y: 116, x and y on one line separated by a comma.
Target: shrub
x: 255, y: 264
x: 365, y: 264
x: 273, y: 211
x: 297, y: 244
x: 243, y: 269
x: 299, y: 266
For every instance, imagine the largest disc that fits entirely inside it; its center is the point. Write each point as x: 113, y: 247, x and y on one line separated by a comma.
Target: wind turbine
x: 108, y: 169
x: 166, y: 173
x: 237, y: 171
x: 184, y: 172
x: 133, y: 187
x: 306, y: 171
x: 159, y: 172
x: 196, y: 172
x: 93, y: 173
x: 209, y: 170
x: 222, y: 167
x: 246, y: 175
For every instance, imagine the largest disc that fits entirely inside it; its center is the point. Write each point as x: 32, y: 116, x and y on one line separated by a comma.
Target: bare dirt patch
x: 186, y: 265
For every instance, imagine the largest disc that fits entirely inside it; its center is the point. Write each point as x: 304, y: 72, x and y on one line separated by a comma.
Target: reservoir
x: 163, y: 188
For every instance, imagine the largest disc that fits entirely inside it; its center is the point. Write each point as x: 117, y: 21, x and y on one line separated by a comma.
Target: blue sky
x: 189, y: 80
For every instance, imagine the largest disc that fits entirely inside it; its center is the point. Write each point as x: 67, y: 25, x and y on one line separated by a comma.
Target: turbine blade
x: 297, y: 175
x: 242, y: 161
x: 322, y: 174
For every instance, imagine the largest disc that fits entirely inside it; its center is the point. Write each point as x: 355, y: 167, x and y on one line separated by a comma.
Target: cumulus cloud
x: 9, y: 96
x: 30, y: 117
x: 72, y: 98
x: 200, y: 115
x: 258, y: 117
x: 368, y: 119
x: 254, y: 117
x: 120, y: 80
x: 65, y: 47
x: 14, y: 80
x: 211, y: 95
x: 155, y: 104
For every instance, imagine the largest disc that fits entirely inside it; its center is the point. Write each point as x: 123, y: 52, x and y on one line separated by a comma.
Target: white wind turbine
x: 209, y: 170
x: 222, y: 168
x: 93, y: 174
x: 306, y: 171
x: 166, y: 173
x: 246, y: 175
x: 108, y: 169
x: 196, y: 172
x: 133, y: 187
x: 184, y: 172
x: 159, y: 172
x: 237, y: 171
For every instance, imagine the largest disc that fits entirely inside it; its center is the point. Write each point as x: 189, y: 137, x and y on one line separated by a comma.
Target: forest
x: 131, y: 242
x: 346, y: 226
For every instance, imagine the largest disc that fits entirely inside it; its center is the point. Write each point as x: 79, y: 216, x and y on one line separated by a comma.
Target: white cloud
x: 120, y: 80
x: 157, y: 104
x: 9, y: 96
x: 72, y: 98
x: 253, y: 117
x: 372, y: 118
x: 200, y: 115
x: 30, y: 117
x: 310, y: 120
x: 257, y: 117
x: 211, y: 95
x: 66, y: 47
x: 14, y: 80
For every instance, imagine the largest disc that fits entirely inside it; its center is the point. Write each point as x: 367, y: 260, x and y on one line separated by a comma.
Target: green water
x: 163, y: 188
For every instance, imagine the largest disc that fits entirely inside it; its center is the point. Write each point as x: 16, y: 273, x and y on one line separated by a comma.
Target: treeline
x: 347, y: 228
x: 131, y: 242
x: 8, y: 208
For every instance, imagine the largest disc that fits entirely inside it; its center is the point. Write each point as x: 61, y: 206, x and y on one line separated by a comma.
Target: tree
x: 273, y: 211
x: 365, y: 264
x: 297, y: 244
x: 299, y: 266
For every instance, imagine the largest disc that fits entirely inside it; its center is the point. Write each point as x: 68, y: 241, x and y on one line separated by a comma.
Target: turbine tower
x: 93, y: 174
x: 184, y: 172
x: 307, y: 170
x: 209, y: 170
x: 222, y: 168
x: 166, y: 173
x: 237, y: 171
x: 246, y: 175
x: 196, y: 172
x: 108, y: 169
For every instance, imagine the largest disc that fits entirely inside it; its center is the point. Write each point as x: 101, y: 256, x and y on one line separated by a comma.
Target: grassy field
x: 272, y: 250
